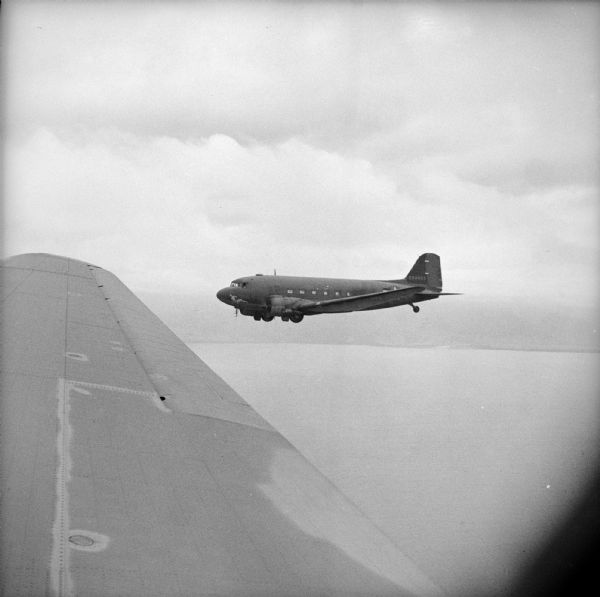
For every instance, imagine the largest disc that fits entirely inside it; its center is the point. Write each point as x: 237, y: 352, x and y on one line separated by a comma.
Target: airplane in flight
x: 292, y: 297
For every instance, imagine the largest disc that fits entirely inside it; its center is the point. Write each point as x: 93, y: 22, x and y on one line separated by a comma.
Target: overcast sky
x: 181, y: 145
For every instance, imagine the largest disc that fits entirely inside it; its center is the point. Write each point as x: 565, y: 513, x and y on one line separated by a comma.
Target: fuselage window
x: 347, y: 294
x: 302, y: 292
x: 324, y: 292
x: 289, y: 291
x: 337, y: 293
x: 313, y: 292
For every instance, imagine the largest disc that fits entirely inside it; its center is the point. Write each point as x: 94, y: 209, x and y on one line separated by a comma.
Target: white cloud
x: 332, y: 73
x: 213, y: 209
x: 164, y: 197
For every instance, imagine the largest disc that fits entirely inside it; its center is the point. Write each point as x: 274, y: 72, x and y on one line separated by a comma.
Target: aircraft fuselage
x: 292, y: 297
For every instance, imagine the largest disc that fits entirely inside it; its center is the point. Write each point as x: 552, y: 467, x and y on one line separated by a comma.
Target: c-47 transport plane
x: 293, y: 297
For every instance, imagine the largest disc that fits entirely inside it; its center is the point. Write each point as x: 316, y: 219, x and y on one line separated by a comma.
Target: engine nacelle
x: 280, y: 305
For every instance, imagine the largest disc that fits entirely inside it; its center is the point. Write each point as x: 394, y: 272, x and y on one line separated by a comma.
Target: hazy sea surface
x: 467, y: 459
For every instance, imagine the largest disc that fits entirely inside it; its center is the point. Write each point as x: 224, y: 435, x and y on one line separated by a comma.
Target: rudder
x: 427, y: 270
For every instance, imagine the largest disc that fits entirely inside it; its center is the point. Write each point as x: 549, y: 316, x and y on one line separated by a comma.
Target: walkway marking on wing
x: 60, y: 574
x: 75, y: 384
x: 64, y: 539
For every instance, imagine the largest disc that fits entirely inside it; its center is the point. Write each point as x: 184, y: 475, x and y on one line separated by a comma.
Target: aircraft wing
x: 130, y: 468
x: 358, y: 302
x: 428, y: 292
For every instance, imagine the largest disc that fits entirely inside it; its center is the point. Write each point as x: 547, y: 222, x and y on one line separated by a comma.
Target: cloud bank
x: 184, y: 144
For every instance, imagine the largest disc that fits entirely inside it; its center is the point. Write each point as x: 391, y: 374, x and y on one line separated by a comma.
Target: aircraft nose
x: 223, y: 295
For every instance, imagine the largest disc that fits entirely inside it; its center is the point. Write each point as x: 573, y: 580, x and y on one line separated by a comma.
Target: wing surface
x: 109, y: 489
x: 358, y: 302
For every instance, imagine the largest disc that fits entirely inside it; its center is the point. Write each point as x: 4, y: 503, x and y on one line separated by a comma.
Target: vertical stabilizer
x: 427, y: 270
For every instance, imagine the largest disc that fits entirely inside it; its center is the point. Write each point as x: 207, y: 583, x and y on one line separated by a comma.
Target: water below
x: 467, y: 459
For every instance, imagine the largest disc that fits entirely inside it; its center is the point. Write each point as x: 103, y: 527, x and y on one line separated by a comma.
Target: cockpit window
x: 235, y: 284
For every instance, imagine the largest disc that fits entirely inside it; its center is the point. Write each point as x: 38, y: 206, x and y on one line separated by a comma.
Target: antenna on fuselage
x: 274, y: 272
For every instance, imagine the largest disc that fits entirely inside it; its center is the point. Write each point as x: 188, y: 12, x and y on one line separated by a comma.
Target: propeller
x: 236, y: 303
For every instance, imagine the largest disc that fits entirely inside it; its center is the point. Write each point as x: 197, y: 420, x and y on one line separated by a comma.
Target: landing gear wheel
x: 267, y: 317
x: 415, y: 308
x: 285, y: 318
x: 297, y: 317
x: 257, y: 317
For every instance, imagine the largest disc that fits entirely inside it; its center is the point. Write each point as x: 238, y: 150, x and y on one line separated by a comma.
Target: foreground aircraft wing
x: 358, y: 302
x: 130, y: 468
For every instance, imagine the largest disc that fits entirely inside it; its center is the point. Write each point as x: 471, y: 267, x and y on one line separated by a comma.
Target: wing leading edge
x: 130, y: 468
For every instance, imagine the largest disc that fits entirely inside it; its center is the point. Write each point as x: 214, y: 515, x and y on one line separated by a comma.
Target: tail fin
x: 427, y: 270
